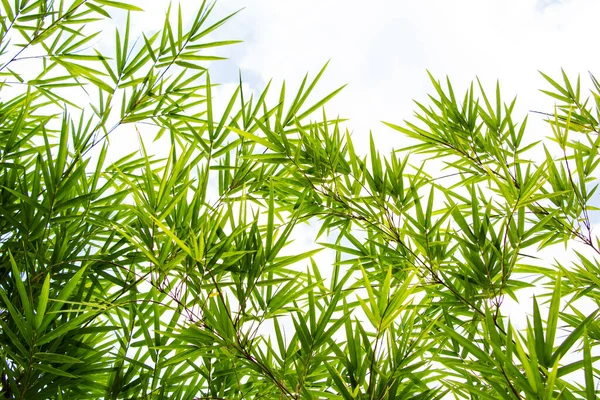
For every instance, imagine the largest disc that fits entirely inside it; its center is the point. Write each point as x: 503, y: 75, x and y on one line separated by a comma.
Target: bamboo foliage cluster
x: 176, y: 277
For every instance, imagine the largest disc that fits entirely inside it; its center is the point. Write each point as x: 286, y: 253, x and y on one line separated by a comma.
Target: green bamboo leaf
x: 18, y: 319
x: 53, y: 371
x: 534, y: 358
x: 169, y: 233
x: 574, y: 366
x: 213, y: 44
x: 590, y: 387
x: 8, y: 10
x: 373, y: 318
x: 32, y: 202
x: 398, y: 302
x: 42, y: 302
x: 566, y: 345
x: 16, y: 341
x: 179, y: 27
x: 337, y: 379
x: 270, y: 220
x: 197, y: 57
x: 538, y: 329
x: 551, y: 381
x: 53, y: 358
x: 556, y: 96
x: 526, y: 363
x: 552, y: 321
x: 254, y: 138
x: 25, y: 299
x: 385, y: 290
x: 227, y: 112
x: 118, y: 4
x: 372, y: 297
x: 319, y: 103
x: 98, y: 9
x: 469, y: 346
x: 63, y: 296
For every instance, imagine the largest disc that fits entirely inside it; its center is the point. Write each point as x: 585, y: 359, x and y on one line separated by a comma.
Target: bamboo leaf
x: 118, y: 4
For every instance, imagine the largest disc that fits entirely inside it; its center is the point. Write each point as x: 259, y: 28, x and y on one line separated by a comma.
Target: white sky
x: 383, y: 48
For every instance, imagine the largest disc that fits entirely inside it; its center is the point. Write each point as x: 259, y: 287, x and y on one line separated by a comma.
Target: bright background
x: 383, y: 48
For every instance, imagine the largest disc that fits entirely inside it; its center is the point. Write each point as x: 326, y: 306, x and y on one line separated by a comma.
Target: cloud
x: 384, y: 49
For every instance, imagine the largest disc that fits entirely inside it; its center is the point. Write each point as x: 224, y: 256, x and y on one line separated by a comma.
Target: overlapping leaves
x: 175, y: 275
